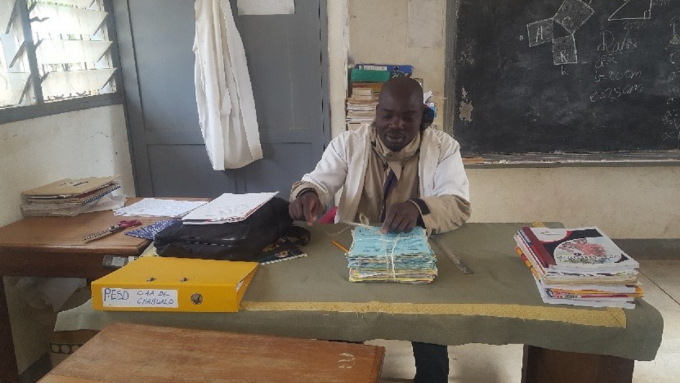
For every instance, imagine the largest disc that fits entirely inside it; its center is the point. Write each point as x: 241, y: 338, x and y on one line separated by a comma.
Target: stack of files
x: 68, y: 197
x: 227, y: 208
x: 403, y: 258
x: 379, y: 72
x: 579, y: 266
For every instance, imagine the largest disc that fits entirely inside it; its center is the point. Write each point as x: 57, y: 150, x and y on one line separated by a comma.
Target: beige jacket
x: 444, y: 186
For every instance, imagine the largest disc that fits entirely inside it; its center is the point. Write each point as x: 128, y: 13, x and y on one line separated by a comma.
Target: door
x: 287, y: 60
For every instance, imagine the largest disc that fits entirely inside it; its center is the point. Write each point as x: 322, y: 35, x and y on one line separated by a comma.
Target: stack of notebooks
x: 68, y: 197
x: 403, y: 258
x: 580, y: 267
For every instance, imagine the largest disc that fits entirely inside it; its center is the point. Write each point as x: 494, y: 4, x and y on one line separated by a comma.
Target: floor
x: 500, y: 364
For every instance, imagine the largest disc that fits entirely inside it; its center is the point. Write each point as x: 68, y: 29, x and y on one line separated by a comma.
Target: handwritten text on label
x: 115, y: 297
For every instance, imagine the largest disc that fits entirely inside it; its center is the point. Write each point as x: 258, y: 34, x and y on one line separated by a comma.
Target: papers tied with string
x: 403, y: 258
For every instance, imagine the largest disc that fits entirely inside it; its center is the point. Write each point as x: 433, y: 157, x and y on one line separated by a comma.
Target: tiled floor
x: 500, y: 364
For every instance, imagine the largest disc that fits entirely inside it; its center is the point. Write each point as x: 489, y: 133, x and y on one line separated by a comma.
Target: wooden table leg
x: 548, y: 366
x: 8, y: 360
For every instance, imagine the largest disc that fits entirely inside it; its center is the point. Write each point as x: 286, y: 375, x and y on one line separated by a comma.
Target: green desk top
x: 498, y: 304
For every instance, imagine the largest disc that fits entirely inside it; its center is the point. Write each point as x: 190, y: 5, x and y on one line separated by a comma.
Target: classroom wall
x: 379, y: 33
x: 86, y: 143
x: 625, y: 202
x: 338, y: 44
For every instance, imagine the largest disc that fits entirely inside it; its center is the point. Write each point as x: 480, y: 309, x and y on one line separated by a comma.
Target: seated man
x: 396, y: 172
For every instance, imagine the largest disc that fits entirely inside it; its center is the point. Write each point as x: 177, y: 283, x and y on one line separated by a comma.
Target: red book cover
x: 545, y: 257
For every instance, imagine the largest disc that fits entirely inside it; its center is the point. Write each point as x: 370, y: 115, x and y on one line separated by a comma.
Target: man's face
x: 398, y: 119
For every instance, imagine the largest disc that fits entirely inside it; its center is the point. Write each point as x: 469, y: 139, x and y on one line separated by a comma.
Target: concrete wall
x: 625, y: 202
x: 35, y: 152
x: 379, y: 33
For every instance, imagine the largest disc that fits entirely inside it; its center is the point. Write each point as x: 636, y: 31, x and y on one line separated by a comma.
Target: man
x: 396, y: 172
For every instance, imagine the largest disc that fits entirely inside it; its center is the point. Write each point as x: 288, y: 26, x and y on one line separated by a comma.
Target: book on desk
x: 579, y: 266
x: 70, y: 197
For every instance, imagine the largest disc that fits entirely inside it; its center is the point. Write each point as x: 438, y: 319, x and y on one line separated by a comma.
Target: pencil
x: 339, y: 246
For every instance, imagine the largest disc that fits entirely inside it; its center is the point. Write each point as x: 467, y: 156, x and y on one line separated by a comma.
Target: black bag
x: 238, y: 241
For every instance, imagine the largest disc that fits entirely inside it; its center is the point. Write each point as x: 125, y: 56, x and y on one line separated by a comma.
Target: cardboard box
x: 174, y: 284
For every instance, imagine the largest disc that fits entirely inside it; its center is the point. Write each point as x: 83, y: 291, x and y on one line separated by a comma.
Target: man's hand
x: 306, y: 207
x: 400, y: 218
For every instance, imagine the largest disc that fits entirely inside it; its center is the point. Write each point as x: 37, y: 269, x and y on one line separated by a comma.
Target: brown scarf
x: 381, y: 161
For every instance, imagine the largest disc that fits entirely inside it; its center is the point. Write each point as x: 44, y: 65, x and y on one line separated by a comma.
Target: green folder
x: 364, y: 75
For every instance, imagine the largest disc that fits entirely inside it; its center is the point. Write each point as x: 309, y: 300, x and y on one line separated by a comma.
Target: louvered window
x: 54, y: 50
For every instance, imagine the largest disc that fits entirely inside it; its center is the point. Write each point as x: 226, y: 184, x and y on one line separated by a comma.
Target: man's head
x: 399, y: 113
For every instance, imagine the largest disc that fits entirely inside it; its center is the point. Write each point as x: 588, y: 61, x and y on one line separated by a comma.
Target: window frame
x: 43, y: 109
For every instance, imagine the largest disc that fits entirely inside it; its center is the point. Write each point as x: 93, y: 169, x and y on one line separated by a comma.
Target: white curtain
x: 226, y: 108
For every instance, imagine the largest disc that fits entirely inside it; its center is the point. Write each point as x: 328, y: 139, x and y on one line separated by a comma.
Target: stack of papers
x: 403, y: 258
x: 580, y: 267
x: 68, y: 197
x: 154, y: 207
x: 227, y: 208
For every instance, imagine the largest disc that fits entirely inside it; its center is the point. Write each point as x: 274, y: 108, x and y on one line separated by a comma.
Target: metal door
x: 287, y: 60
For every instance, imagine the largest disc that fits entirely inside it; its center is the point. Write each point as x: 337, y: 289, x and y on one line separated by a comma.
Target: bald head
x: 399, y: 113
x: 404, y: 89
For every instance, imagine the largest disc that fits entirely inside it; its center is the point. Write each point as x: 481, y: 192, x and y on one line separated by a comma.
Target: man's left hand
x: 400, y: 218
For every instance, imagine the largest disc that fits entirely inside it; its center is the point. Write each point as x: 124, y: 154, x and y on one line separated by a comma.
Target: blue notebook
x: 150, y: 231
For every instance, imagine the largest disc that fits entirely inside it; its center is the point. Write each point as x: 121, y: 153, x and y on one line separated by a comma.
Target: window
x: 55, y: 56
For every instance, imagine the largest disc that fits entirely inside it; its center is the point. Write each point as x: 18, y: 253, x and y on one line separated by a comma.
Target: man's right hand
x: 307, y: 207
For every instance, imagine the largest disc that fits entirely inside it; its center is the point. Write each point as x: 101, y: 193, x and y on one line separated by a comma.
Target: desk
x: 123, y: 353
x: 53, y: 247
x: 498, y: 304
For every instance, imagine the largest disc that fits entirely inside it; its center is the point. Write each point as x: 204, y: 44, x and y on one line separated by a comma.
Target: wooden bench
x: 126, y: 353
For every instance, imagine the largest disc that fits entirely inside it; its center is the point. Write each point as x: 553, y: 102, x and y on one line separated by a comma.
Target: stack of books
x: 68, y: 197
x: 579, y: 266
x: 403, y: 258
x: 366, y: 82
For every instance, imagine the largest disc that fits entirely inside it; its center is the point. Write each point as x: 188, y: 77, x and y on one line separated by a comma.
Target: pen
x: 339, y: 246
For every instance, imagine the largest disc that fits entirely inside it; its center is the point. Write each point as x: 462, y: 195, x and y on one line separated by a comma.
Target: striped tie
x: 389, y: 185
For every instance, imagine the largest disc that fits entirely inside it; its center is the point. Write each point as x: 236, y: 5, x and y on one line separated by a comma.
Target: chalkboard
x: 567, y: 76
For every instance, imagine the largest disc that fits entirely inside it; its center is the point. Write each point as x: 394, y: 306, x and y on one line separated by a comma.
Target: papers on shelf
x: 228, y: 208
x: 154, y: 207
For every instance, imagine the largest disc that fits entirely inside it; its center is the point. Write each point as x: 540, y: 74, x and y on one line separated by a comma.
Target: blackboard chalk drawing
x: 633, y: 10
x: 614, y: 93
x: 571, y: 15
x: 603, y: 61
x: 564, y: 50
x: 618, y: 75
x: 675, y: 58
x: 610, y: 45
x: 676, y: 38
x: 635, y: 24
x: 540, y: 32
x: 607, y: 95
